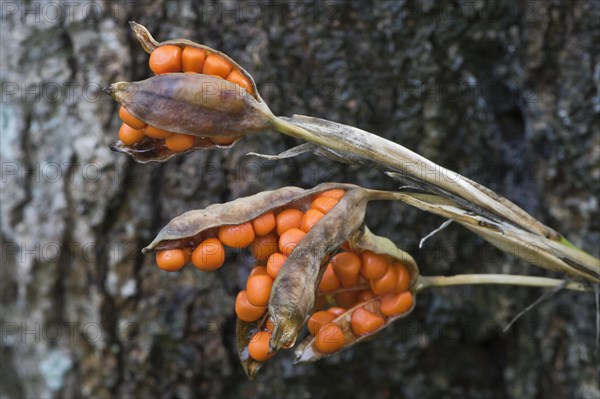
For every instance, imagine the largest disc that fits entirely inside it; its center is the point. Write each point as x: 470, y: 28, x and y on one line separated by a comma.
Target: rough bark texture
x: 504, y: 92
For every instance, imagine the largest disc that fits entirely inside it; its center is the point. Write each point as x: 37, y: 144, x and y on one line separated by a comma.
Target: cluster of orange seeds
x: 271, y: 237
x: 388, y: 297
x: 174, y: 59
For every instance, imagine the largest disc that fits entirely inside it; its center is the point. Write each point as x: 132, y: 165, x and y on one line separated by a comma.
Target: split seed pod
x: 196, y: 104
x: 364, y: 240
x: 295, y: 288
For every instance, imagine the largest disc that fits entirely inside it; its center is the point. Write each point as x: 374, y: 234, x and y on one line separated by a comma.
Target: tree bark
x: 503, y: 92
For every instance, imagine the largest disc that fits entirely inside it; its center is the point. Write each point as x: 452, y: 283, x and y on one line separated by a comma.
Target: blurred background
x: 504, y: 92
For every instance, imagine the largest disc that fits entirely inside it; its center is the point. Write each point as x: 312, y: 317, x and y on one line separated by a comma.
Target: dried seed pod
x: 360, y: 241
x: 216, y: 100
x: 190, y: 228
x: 235, y: 74
x: 294, y: 291
x: 295, y: 288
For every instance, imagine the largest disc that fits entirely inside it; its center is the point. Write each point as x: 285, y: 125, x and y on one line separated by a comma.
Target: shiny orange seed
x: 309, y: 219
x: 336, y: 193
x: 395, y: 304
x: 166, y: 59
x: 238, y: 236
x: 192, y: 59
x: 365, y: 322
x: 346, y: 299
x: 131, y: 120
x: 318, y: 319
x: 156, y: 133
x: 263, y: 247
x: 239, y: 79
x: 216, y: 65
x: 373, y: 266
x: 258, y: 289
x: 264, y: 224
x: 403, y: 283
x: 387, y: 282
x: 346, y: 266
x: 258, y: 271
x: 246, y: 311
x: 274, y: 263
x: 129, y: 135
x: 170, y: 259
x: 180, y: 142
x: 329, y: 338
x: 329, y: 282
x: 288, y: 219
x: 258, y: 347
x: 324, y: 204
x: 209, y: 255
x: 289, y: 240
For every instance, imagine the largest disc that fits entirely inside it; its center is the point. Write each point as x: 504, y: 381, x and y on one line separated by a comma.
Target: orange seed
x: 238, y: 236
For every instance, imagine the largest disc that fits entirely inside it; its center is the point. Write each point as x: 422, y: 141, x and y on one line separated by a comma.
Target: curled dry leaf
x: 364, y: 240
x: 530, y: 247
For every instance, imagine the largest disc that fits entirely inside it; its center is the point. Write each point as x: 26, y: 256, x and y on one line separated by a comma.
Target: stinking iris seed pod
x: 294, y: 291
x: 194, y: 104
